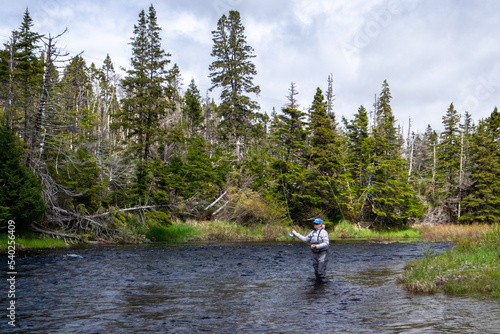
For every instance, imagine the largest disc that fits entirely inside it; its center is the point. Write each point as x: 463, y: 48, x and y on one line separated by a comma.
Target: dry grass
x: 220, y: 230
x: 472, y: 266
x: 450, y: 232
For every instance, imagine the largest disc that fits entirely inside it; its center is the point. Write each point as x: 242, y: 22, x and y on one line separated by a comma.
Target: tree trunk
x: 10, y: 96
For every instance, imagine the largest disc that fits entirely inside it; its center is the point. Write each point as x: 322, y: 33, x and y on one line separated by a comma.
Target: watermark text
x: 11, y: 273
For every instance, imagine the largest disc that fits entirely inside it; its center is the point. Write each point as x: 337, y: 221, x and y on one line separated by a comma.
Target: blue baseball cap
x: 317, y: 221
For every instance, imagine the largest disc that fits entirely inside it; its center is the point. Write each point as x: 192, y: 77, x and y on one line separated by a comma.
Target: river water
x: 243, y: 288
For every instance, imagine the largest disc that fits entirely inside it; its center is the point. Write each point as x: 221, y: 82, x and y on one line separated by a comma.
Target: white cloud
x: 432, y: 53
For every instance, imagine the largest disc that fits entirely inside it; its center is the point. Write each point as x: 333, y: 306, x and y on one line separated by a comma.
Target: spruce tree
x: 325, y: 157
x: 388, y: 141
x: 289, y: 158
x: 20, y: 191
x: 358, y: 146
x: 325, y: 152
x: 28, y: 72
x: 290, y: 134
x: 448, y: 164
x: 75, y: 101
x: 359, y: 149
x: 289, y: 131
x: 145, y: 104
x: 390, y: 198
x: 233, y: 72
x: 104, y: 87
x: 482, y: 204
x: 192, y: 108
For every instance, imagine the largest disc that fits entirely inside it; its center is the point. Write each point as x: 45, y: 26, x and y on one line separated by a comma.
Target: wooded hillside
x: 111, y: 153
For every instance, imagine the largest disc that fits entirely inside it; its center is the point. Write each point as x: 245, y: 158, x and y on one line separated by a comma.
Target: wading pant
x: 319, y: 264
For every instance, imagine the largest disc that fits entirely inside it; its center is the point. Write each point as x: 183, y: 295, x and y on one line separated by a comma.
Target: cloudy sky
x: 431, y: 52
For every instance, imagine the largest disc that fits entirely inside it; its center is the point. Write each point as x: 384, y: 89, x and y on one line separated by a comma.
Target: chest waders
x: 320, y: 261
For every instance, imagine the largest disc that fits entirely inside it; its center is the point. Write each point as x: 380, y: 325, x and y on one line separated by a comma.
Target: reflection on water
x: 251, y: 288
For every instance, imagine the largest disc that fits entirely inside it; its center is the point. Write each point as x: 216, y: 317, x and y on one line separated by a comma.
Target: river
x: 234, y: 288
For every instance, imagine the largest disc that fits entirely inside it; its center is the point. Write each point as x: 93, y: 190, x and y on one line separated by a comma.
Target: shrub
x: 247, y: 207
x: 160, y: 218
x: 345, y: 229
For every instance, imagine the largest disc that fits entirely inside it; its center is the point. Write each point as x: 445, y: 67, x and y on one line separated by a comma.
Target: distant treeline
x: 110, y: 154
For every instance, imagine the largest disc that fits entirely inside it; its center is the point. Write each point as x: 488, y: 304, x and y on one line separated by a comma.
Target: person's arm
x: 301, y: 237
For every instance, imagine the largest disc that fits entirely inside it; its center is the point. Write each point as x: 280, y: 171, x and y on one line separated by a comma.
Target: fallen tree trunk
x: 53, y: 233
x: 217, y: 200
x: 220, y: 209
x: 125, y: 210
x: 74, y: 215
x: 99, y: 224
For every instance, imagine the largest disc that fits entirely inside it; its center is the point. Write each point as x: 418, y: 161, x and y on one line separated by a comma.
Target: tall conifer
x: 325, y: 156
x: 233, y: 72
x: 21, y: 72
x: 482, y: 204
x: 448, y: 163
x: 390, y: 197
x: 145, y: 104
x: 192, y: 108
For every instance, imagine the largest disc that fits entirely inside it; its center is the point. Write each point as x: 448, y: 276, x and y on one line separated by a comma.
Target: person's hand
x: 313, y: 246
x: 293, y: 232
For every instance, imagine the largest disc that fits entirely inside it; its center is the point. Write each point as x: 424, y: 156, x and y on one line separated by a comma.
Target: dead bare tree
x: 51, y: 57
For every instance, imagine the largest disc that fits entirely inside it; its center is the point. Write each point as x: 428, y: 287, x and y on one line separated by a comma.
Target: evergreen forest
x: 86, y: 151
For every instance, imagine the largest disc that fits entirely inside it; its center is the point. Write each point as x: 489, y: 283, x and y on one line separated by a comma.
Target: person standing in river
x: 320, y: 242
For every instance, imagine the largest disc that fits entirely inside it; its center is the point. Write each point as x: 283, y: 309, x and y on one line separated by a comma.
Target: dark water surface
x: 249, y: 288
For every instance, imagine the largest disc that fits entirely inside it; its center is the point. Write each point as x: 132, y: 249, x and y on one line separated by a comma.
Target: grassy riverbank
x: 472, y: 266
x: 209, y: 231
x: 225, y: 231
x: 346, y: 230
x: 32, y: 242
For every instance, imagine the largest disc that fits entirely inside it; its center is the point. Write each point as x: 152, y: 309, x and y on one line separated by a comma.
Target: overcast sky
x: 431, y: 52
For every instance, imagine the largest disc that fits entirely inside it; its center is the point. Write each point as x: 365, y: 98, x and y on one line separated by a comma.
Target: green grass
x: 346, y: 230
x: 473, y: 266
x: 32, y: 242
x: 227, y: 231
x: 173, y: 233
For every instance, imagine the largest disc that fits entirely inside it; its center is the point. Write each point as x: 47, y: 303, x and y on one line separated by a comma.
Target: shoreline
x: 472, y: 266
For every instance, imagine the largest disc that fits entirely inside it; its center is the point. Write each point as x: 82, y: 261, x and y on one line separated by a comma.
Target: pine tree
x: 290, y: 135
x: 233, y: 72
x: 423, y: 169
x: 105, y: 82
x: 21, y: 72
x: 289, y: 158
x: 7, y: 64
x: 192, y: 108
x: 388, y: 142
x: 448, y: 163
x: 28, y: 72
x: 390, y: 197
x: 174, y: 79
x: 20, y: 191
x: 325, y: 156
x: 482, y: 204
x: 76, y: 95
x: 324, y: 144
x: 358, y: 146
x: 145, y: 104
x: 359, y: 149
